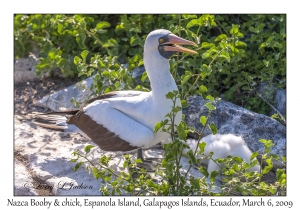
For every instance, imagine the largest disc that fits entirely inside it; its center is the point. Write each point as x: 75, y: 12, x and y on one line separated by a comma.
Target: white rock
x: 23, y: 180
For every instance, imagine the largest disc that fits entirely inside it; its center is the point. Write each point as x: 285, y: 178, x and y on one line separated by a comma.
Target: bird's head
x: 166, y: 43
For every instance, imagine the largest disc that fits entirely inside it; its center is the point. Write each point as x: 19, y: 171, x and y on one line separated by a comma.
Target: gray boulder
x: 24, y: 69
x: 280, y: 101
x: 61, y: 100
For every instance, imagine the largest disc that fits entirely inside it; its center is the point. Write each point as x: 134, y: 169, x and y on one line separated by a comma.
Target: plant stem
x: 177, y: 58
x: 282, y: 118
x: 198, y: 77
x: 177, y: 173
x: 198, y: 141
x: 96, y: 38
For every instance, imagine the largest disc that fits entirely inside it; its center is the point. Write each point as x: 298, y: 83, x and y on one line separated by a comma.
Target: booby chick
x: 125, y: 120
x: 222, y: 145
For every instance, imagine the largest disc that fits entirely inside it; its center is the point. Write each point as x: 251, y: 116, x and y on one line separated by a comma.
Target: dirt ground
x: 26, y: 93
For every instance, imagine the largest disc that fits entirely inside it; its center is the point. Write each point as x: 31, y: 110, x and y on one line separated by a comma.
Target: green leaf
x: 80, y: 39
x: 107, y: 178
x: 138, y: 160
x: 189, y: 16
x: 240, y: 35
x: 234, y: 30
x: 158, y: 126
x: 195, y: 182
x: 209, y: 97
x: 210, y: 106
x: 203, y: 120
x: 73, y: 160
x: 144, y: 76
x: 213, y: 175
x: 52, y: 54
x: 273, y: 189
x: 108, y: 44
x: 225, y: 55
x: 107, y: 90
x: 185, y: 79
x: 141, y: 62
x: 282, y: 31
x: 206, y: 55
x: 47, y: 47
x: 278, y: 45
x: 96, y: 173
x: 237, y: 159
x: 194, y: 22
x: 150, y: 183
x: 202, y: 147
x: 125, y: 164
x: 203, y: 89
x: 134, y: 41
x: 207, y: 45
x: 77, y: 60
x: 190, y: 155
x: 60, y: 28
x: 213, y: 128
x: 77, y: 166
x: 203, y: 171
x: 84, y: 54
x: 268, y: 167
x: 262, y: 45
x: 205, y: 70
x: 181, y: 131
x: 254, y: 155
x: 114, y: 183
x: 102, y: 24
x: 176, y: 109
x: 88, y: 148
x: 170, y: 95
x: 184, y: 103
x: 267, y: 144
x: 240, y: 44
x: 221, y: 37
x: 269, y: 40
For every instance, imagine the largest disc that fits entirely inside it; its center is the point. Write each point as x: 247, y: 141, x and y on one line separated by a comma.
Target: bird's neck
x: 161, y: 80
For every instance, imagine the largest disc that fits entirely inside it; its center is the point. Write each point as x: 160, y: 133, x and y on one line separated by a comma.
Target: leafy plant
x: 238, y: 180
x: 175, y: 180
x: 236, y: 52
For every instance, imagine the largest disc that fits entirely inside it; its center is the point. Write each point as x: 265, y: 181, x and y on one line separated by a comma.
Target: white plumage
x: 223, y: 145
x: 125, y: 120
x: 133, y: 117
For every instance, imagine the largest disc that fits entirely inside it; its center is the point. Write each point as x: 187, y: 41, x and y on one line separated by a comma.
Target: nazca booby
x: 125, y: 120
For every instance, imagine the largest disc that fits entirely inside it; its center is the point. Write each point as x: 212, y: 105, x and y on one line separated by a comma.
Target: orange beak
x: 175, y: 41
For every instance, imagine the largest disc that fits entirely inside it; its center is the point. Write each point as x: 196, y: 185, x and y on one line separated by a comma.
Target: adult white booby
x: 125, y: 120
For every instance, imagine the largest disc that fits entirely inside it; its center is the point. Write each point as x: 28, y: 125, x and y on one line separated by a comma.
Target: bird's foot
x: 150, y: 164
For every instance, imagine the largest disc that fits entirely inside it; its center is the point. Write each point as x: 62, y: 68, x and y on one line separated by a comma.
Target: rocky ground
x: 25, y: 94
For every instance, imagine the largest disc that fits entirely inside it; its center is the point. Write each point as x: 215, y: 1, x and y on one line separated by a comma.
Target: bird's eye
x: 161, y: 40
